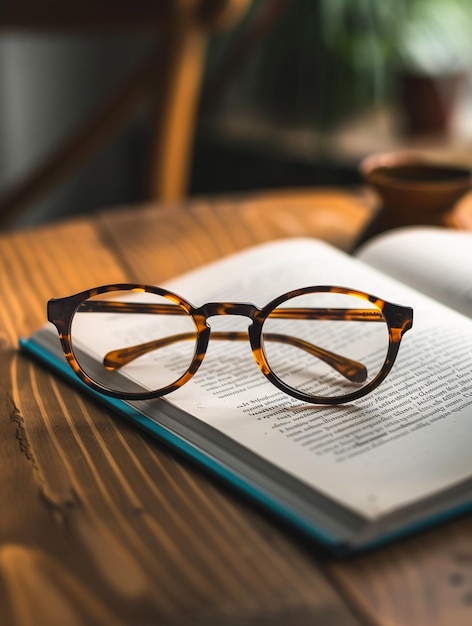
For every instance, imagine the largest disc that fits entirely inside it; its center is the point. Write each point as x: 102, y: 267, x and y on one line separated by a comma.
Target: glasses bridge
x: 243, y: 309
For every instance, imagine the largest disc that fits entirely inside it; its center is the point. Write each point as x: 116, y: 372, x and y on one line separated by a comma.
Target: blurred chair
x: 168, y: 80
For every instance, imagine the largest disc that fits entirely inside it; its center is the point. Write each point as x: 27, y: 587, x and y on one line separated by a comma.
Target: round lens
x: 132, y: 340
x: 325, y: 345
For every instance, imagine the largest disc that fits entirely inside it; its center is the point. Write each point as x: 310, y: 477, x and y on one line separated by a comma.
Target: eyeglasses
x: 323, y: 345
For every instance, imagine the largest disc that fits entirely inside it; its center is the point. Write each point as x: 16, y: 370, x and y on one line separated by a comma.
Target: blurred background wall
x: 294, y: 95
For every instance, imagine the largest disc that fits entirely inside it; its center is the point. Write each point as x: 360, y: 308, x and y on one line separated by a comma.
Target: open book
x: 352, y: 475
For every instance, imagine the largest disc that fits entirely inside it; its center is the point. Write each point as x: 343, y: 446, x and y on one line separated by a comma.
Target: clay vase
x: 412, y: 189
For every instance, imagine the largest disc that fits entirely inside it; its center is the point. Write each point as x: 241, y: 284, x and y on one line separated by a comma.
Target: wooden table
x: 102, y: 525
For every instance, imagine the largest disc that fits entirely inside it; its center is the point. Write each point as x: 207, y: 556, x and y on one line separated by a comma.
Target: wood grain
x: 100, y: 524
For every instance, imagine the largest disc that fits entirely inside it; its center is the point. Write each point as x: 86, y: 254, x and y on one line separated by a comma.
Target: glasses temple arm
x: 350, y: 369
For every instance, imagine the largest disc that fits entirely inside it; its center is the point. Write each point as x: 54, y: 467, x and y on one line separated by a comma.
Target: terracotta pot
x: 412, y: 189
x: 429, y: 102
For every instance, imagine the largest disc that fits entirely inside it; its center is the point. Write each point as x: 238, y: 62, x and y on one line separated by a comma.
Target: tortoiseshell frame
x: 399, y: 319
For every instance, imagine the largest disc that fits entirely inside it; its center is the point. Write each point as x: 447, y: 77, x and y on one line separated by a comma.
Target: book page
x: 407, y: 439
x: 436, y: 261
